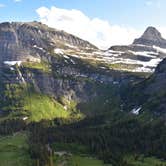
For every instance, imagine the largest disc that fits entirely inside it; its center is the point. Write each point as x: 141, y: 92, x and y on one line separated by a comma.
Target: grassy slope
x: 24, y: 101
x: 81, y: 157
x: 81, y: 160
x: 37, y: 107
x: 78, y: 160
x: 41, y: 107
x: 42, y: 66
x: 14, y: 150
x: 148, y: 161
x: 86, y: 161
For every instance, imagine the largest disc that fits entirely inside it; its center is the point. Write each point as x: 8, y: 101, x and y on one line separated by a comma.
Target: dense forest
x: 108, y: 142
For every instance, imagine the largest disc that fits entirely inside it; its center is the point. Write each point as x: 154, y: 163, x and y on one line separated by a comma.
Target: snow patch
x: 145, y: 53
x: 143, y: 69
x: 65, y: 56
x: 141, y: 45
x: 72, y: 61
x: 76, y: 56
x: 69, y: 45
x: 151, y: 63
x: 25, y: 118
x: 12, y: 63
x: 159, y: 49
x: 35, y: 46
x: 11, y: 68
x: 58, y: 51
x: 115, y: 52
x: 136, y: 111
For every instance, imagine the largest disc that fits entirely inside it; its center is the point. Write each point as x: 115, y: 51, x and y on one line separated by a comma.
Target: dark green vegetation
x: 124, y: 142
x: 109, y: 134
x: 14, y: 150
x: 79, y: 160
x: 58, y: 109
x: 150, y: 94
x: 25, y: 102
x: 143, y: 161
x: 44, y: 66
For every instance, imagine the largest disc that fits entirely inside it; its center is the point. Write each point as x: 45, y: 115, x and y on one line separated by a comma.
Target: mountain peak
x: 151, y: 33
x: 151, y: 37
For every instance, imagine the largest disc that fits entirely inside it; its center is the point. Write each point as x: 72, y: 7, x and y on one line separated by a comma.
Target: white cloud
x: 2, y: 5
x: 162, y: 31
x: 159, y: 4
x: 97, y: 31
x: 154, y: 3
x: 149, y: 3
x: 17, y: 0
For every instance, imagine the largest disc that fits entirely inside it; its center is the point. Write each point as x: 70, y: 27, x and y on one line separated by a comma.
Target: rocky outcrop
x: 150, y: 95
x: 31, y: 41
x: 148, y: 51
x: 156, y: 84
x: 27, y: 56
x: 33, y: 54
x: 151, y: 37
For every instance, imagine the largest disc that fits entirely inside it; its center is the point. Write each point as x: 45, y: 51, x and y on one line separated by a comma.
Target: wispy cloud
x: 97, y: 31
x: 148, y: 3
x: 162, y: 30
x: 2, y: 5
x: 159, y: 4
x: 154, y: 3
x: 17, y: 0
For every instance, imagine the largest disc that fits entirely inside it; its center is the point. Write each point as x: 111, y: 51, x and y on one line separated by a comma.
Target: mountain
x: 148, y: 97
x: 62, y: 99
x: 143, y: 55
x: 137, y: 57
x: 154, y: 89
x: 43, y: 65
x: 30, y: 41
x: 151, y: 37
x: 34, y: 70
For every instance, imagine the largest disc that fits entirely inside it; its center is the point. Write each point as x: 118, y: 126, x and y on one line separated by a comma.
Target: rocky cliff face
x: 156, y: 92
x: 33, y: 44
x: 151, y: 37
x: 37, y: 59
x: 144, y: 54
x: 157, y: 81
x: 149, y: 96
x: 32, y: 41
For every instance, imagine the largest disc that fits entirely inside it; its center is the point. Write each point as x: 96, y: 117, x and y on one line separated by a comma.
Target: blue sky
x: 136, y: 14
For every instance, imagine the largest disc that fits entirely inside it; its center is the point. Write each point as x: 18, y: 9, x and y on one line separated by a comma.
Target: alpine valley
x: 64, y: 102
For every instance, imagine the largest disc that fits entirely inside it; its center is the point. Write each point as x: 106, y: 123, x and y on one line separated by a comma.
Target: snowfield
x: 58, y: 51
x: 163, y: 50
x: 12, y: 63
x: 145, y: 53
